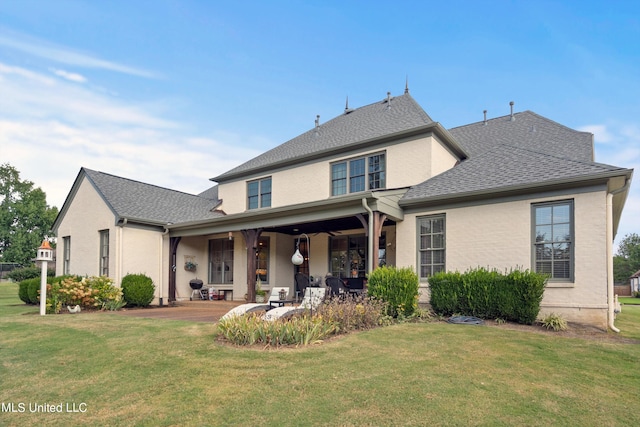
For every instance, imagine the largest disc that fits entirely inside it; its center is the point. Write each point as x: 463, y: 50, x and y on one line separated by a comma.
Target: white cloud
x: 49, y: 128
x: 74, y: 77
x: 44, y: 49
x: 599, y: 131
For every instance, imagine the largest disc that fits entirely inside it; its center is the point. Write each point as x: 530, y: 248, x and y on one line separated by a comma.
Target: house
x: 634, y: 281
x: 380, y: 184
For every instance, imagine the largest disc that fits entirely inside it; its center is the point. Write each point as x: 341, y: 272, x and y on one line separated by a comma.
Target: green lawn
x: 133, y: 371
x: 629, y: 300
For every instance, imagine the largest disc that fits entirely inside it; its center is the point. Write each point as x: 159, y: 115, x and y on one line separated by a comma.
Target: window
x: 360, y: 174
x: 553, y: 239
x: 262, y: 260
x: 104, y: 252
x: 220, y: 261
x: 66, y: 260
x: 431, y: 245
x: 259, y: 193
x: 348, y: 256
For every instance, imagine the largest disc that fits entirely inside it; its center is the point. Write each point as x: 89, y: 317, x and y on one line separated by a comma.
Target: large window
x: 220, y: 261
x: 348, y: 256
x: 66, y: 256
x: 104, y: 252
x: 360, y: 174
x: 431, y: 245
x: 259, y: 193
x: 553, y: 239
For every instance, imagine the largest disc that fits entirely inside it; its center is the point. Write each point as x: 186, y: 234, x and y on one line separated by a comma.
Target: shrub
x: 24, y: 273
x: 555, y: 322
x: 350, y: 314
x: 488, y: 294
x: 398, y: 288
x: 23, y: 292
x: 138, y: 290
x: 88, y: 292
x: 33, y: 290
x: 251, y: 329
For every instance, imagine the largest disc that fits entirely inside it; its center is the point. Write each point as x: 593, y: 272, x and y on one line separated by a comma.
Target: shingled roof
x: 148, y: 203
x: 506, y: 168
x: 527, y: 130
x: 350, y: 128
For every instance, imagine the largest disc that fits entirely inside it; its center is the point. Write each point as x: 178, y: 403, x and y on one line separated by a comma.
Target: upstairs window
x: 259, y: 193
x: 359, y: 174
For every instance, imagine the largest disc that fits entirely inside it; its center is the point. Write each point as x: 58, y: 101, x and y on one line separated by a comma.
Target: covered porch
x: 345, y: 237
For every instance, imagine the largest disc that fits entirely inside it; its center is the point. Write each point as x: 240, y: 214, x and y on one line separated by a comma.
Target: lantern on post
x: 45, y: 254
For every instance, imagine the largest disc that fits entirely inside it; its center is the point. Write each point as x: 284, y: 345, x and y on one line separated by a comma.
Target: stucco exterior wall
x: 142, y: 254
x: 498, y: 235
x: 407, y: 163
x: 82, y: 221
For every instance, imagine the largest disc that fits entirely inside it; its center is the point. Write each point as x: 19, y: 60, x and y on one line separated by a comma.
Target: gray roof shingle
x: 150, y: 203
x: 358, y: 125
x: 504, y: 168
x: 529, y: 130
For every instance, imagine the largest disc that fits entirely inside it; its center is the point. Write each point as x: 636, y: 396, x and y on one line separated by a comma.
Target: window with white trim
x: 66, y: 249
x: 104, y: 252
x: 359, y: 174
x: 431, y: 245
x: 553, y: 239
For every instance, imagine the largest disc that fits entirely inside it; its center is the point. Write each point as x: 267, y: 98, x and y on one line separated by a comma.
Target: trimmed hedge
x: 138, y: 290
x: 397, y: 287
x: 515, y: 296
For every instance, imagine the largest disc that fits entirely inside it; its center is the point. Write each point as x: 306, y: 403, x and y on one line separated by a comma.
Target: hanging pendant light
x: 297, y: 258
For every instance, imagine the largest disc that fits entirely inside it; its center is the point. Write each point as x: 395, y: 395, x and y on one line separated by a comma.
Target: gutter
x: 611, y: 298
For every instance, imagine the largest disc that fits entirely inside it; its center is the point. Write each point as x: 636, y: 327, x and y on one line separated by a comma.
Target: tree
x: 25, y: 217
x: 627, y: 260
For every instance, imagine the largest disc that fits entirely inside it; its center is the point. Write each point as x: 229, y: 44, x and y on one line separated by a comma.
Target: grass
x: 133, y: 371
x: 629, y: 300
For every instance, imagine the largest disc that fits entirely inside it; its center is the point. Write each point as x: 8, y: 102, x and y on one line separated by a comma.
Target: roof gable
x: 373, y: 121
x: 148, y: 203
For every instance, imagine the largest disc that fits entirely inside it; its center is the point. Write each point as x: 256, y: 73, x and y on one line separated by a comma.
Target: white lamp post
x: 45, y: 254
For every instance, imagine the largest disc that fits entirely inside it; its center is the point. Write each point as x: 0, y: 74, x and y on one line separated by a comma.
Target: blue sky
x: 175, y: 92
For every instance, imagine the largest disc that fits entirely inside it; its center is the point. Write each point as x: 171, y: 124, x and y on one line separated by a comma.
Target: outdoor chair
x: 302, y: 283
x: 254, y: 307
x: 313, y: 297
x: 335, y: 285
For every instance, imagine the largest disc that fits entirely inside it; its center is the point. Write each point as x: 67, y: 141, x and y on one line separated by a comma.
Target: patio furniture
x: 253, y: 307
x: 302, y: 283
x: 313, y: 297
x: 336, y: 285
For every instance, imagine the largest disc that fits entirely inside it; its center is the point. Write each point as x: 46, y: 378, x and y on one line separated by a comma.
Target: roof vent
x: 512, y: 116
x: 533, y: 129
x: 388, y: 100
x: 347, y: 110
x: 485, y: 117
x: 317, y: 129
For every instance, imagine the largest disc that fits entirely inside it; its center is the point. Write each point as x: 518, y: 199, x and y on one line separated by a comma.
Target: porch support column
x: 173, y: 249
x: 378, y: 220
x: 251, y: 239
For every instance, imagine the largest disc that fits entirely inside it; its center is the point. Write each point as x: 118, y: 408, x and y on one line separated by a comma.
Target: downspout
x: 161, y: 267
x: 365, y: 205
x: 119, y: 247
x: 611, y: 304
x: 610, y: 296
